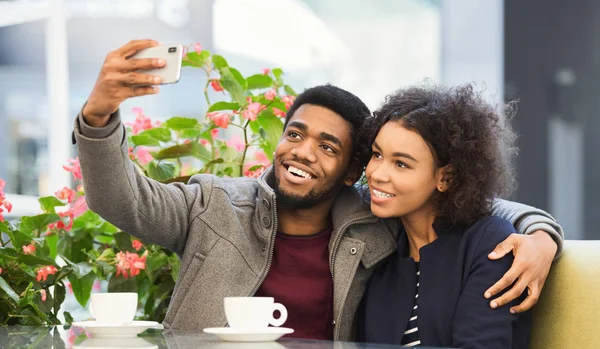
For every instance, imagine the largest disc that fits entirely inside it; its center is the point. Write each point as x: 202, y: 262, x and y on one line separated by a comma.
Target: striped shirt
x: 411, y: 335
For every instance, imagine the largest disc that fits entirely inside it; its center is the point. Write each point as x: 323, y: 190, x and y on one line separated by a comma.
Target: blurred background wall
x: 541, y: 53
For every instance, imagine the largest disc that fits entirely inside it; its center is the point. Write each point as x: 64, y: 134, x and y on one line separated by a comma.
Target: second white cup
x: 253, y: 313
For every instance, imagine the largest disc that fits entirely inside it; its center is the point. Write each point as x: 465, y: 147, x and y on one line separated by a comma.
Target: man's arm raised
x: 115, y: 189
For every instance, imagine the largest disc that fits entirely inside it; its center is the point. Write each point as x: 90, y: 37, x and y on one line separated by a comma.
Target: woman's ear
x: 444, y: 177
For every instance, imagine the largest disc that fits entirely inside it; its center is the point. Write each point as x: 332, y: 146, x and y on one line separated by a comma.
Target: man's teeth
x: 381, y: 194
x: 299, y: 172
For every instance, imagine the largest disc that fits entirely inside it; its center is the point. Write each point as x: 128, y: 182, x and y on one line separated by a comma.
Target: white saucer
x: 115, y: 343
x: 267, y: 334
x: 104, y: 330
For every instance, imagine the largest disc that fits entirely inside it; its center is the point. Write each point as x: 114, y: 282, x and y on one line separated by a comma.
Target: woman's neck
x: 419, y: 231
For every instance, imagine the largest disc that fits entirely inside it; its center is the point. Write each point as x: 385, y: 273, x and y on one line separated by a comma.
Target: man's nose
x: 305, y: 151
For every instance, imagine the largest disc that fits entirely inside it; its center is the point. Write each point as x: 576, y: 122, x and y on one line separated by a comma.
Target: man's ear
x: 355, y: 170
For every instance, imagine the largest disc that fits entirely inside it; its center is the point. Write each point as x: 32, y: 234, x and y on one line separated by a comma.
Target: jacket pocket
x: 183, y: 285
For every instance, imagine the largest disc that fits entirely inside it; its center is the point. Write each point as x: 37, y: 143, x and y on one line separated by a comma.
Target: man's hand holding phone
x: 120, y: 79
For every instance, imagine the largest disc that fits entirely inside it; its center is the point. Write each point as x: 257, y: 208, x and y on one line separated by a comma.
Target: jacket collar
x: 350, y: 206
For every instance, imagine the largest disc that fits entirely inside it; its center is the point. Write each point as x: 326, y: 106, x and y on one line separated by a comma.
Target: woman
x: 439, y: 156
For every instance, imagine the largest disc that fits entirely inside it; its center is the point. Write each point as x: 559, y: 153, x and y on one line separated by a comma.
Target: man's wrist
x: 545, y: 239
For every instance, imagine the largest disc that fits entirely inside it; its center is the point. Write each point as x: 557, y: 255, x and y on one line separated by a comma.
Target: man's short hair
x: 338, y: 100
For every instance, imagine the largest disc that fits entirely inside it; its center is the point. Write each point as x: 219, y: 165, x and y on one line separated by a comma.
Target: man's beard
x: 301, y: 202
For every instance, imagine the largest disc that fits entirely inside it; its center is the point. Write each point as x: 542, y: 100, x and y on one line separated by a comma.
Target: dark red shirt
x: 300, y: 279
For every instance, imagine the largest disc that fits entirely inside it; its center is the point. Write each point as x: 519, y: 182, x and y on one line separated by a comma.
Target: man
x: 301, y: 233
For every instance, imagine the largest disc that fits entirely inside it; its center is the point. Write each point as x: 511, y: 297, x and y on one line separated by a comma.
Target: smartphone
x: 172, y: 54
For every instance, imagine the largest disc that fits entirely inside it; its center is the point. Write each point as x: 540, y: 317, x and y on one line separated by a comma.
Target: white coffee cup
x: 114, y: 308
x: 253, y: 313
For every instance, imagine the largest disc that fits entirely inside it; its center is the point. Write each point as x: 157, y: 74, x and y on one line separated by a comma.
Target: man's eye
x: 293, y: 135
x: 328, y: 148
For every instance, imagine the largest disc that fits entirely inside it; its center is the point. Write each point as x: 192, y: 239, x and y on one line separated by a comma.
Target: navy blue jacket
x: 455, y: 273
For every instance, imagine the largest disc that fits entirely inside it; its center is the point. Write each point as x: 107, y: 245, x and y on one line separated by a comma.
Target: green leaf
x: 121, y: 284
x: 159, y: 133
x: 239, y: 77
x: 289, y: 90
x: 219, y: 62
x: 177, y: 151
x: 8, y: 290
x: 48, y: 203
x: 30, y: 260
x: 259, y: 81
x: 224, y: 106
x: 273, y: 127
x: 208, y: 165
x: 155, y: 261
x: 68, y: 317
x: 277, y: 72
x: 232, y: 85
x: 80, y: 269
x: 145, y: 140
x: 161, y: 170
x: 196, y: 59
x: 123, y: 242
x: 39, y: 222
x: 82, y: 288
x: 175, y: 264
x: 52, y: 243
x: 19, y: 238
x: 59, y: 296
x: 73, y: 247
x: 190, y: 133
x: 180, y: 123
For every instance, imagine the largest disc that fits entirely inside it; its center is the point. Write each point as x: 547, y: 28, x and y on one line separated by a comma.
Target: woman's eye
x: 376, y: 155
x: 401, y: 164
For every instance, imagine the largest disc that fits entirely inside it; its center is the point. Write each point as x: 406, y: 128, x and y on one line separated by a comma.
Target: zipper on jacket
x: 271, y: 250
x: 336, y: 246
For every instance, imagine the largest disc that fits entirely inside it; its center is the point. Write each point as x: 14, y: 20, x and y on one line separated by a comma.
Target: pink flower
x: 2, y: 184
x: 184, y: 52
x: 237, y: 143
x: 61, y: 224
x: 288, y: 100
x: 70, y: 288
x: 129, y: 264
x: 198, y: 47
x: 271, y: 94
x: 79, y: 206
x: 97, y: 286
x: 43, y: 293
x: 29, y: 249
x: 214, y: 133
x: 0, y: 270
x: 141, y: 123
x: 136, y: 244
x: 66, y: 194
x: 144, y: 155
x: 220, y: 118
x: 279, y: 112
x: 80, y: 188
x: 8, y: 206
x: 204, y: 142
x: 262, y: 158
x: 216, y: 85
x: 186, y: 169
x: 75, y: 169
x: 43, y: 272
x: 256, y: 173
x: 266, y: 71
x: 252, y: 111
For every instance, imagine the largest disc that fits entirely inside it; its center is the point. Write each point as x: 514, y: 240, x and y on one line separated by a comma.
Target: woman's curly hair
x: 462, y: 130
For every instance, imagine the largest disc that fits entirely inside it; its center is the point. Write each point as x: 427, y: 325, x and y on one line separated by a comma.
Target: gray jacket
x: 224, y: 230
